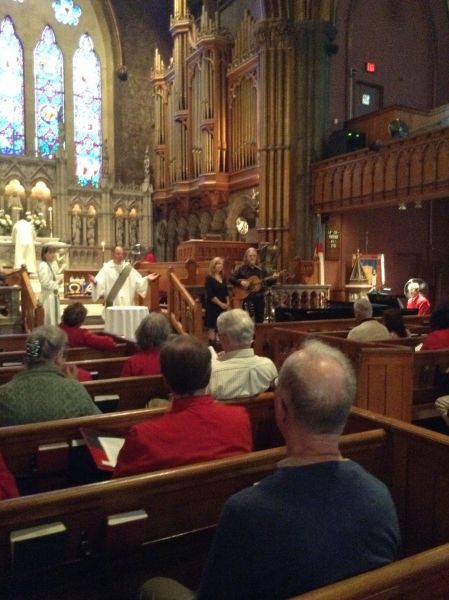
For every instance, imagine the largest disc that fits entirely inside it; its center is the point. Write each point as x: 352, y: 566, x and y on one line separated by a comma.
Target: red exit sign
x: 370, y: 67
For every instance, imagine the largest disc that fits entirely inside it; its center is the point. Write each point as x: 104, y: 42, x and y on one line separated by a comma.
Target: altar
x: 124, y: 320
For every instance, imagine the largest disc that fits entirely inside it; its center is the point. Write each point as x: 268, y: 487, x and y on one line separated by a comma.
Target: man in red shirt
x: 197, y: 428
x: 417, y: 300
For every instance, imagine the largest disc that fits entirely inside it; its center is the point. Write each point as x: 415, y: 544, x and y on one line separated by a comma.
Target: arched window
x: 87, y: 113
x: 67, y: 53
x: 12, y: 107
x: 49, y: 93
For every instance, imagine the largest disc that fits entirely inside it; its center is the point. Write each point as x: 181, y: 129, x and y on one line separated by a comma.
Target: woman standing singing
x: 217, y: 296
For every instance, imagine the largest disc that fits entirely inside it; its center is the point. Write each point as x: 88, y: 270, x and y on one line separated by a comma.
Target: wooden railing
x: 31, y: 314
x: 185, y: 313
x: 406, y: 170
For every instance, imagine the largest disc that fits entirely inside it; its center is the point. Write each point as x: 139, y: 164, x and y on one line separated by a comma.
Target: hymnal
x: 107, y: 402
x: 126, y: 530
x: 38, y: 547
x: 104, y: 448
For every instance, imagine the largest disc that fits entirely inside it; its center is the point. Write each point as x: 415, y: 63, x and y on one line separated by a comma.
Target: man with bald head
x: 319, y: 518
x: 118, y: 282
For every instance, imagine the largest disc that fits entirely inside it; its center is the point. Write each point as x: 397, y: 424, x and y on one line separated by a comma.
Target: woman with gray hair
x: 45, y: 390
x: 152, y: 332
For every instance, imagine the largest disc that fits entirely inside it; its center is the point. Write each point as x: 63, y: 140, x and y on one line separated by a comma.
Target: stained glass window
x: 66, y: 12
x: 49, y: 93
x: 12, y: 115
x: 87, y: 113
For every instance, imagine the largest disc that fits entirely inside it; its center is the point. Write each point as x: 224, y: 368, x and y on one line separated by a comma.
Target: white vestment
x: 108, y: 275
x: 22, y: 236
x: 49, y: 296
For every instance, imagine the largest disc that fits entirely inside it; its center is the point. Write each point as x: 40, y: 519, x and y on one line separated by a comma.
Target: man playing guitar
x: 250, y: 281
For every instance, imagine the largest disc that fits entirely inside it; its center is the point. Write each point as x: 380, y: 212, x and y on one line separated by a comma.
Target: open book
x: 103, y: 447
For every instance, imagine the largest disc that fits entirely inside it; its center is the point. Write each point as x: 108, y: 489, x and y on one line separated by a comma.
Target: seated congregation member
x: 417, y: 299
x: 238, y: 372
x: 438, y: 338
x: 45, y: 390
x: 152, y: 332
x: 196, y: 429
x: 319, y: 518
x: 368, y: 329
x: 8, y: 487
x: 394, y: 322
x: 73, y: 317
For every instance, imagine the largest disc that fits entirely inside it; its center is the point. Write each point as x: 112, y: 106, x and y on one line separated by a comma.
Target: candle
x: 103, y: 244
x: 50, y: 220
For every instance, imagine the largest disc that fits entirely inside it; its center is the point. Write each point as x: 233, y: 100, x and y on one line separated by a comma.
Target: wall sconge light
x: 402, y: 206
x: 418, y: 204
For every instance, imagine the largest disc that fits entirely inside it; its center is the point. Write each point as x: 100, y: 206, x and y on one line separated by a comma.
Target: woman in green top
x: 45, y: 390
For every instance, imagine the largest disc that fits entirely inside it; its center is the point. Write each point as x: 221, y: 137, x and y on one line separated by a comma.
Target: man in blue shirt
x: 319, y: 518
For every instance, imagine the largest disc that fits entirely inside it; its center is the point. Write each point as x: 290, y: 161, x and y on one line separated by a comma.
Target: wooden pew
x: 186, y: 501
x: 429, y: 367
x: 423, y: 575
x: 102, y: 368
x: 384, y: 373
x: 41, y: 454
x: 410, y: 460
x: 74, y: 354
x: 134, y: 392
x: 403, y: 385
x: 264, y: 331
x: 14, y: 341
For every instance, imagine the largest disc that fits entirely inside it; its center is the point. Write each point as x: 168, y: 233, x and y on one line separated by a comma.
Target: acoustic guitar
x: 256, y: 284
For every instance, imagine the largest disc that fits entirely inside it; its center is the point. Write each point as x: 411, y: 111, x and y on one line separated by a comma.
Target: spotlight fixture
x: 402, y: 206
x: 418, y: 204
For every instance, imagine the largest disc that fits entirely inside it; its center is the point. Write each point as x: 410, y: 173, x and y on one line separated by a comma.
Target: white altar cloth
x: 124, y: 320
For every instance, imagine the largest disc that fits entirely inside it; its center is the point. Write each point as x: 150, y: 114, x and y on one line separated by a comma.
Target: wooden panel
x: 201, y: 250
x: 414, y: 168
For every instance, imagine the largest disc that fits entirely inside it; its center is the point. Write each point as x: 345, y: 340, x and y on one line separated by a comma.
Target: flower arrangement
x: 5, y: 223
x: 37, y: 221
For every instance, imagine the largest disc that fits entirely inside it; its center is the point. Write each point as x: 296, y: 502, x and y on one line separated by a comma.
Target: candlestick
x: 103, y: 244
x: 50, y: 220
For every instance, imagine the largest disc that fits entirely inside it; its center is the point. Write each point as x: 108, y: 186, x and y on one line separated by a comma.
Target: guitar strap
x: 119, y: 282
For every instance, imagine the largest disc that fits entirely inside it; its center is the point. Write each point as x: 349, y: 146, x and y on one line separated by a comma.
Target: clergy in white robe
x: 107, y: 276
x: 49, y: 280
x: 23, y: 236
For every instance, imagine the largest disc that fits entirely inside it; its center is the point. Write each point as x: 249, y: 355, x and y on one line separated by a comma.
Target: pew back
x: 42, y: 455
x: 134, y: 392
x: 410, y: 460
x: 264, y: 331
x: 101, y: 368
x: 429, y: 380
x: 186, y: 500
x: 384, y: 373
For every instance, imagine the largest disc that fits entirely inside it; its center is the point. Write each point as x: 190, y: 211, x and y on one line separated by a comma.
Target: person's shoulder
x: 230, y: 411
x: 264, y: 360
x: 258, y: 494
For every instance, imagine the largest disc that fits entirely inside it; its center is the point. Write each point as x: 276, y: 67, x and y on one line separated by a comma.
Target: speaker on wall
x: 343, y: 141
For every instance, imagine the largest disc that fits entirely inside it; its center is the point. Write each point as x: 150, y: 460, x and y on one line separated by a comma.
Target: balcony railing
x: 406, y: 170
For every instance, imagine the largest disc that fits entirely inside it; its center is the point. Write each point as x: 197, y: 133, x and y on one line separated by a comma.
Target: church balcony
x: 412, y: 169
